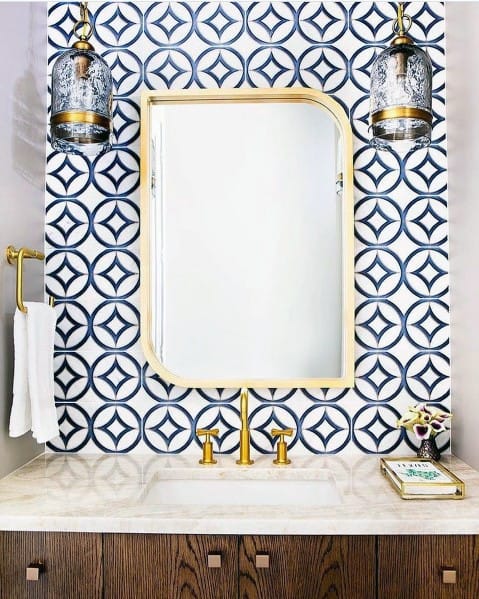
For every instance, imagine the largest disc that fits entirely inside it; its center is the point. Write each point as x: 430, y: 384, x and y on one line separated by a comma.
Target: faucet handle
x: 277, y: 432
x: 201, y: 432
x: 281, y: 446
x: 208, y: 444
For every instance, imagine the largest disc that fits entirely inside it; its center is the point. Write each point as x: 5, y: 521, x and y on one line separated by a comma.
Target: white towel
x: 33, y: 404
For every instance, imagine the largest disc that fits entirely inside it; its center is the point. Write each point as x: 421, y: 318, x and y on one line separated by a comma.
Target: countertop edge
x: 235, y: 527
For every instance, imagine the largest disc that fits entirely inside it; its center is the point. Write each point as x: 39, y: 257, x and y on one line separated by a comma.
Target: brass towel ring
x: 18, y: 256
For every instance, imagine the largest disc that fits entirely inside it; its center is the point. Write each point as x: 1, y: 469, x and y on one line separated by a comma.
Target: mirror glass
x: 246, y: 260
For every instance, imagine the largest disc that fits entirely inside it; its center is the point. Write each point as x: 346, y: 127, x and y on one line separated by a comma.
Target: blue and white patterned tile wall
x: 108, y: 399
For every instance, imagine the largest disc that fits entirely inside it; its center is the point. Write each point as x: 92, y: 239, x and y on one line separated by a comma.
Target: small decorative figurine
x: 425, y: 422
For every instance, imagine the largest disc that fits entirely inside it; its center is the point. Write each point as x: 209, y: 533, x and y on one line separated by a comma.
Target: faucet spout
x: 244, y: 409
x: 244, y: 459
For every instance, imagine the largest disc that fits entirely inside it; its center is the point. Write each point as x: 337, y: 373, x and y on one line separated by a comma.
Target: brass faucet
x: 244, y: 459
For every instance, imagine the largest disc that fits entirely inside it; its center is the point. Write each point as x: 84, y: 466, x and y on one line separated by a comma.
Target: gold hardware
x: 449, y: 576
x: 83, y: 45
x: 214, y: 560
x: 399, y: 28
x: 208, y: 447
x: 83, y: 23
x: 281, y: 446
x: 19, y: 255
x: 13, y: 254
x: 78, y: 116
x: 402, y: 39
x: 401, y: 112
x: 34, y: 570
x: 244, y: 459
x: 262, y: 560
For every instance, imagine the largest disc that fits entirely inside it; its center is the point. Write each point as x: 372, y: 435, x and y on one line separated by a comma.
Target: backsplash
x: 108, y: 398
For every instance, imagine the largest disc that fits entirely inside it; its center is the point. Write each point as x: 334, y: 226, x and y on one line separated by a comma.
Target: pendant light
x: 401, y: 96
x: 81, y: 117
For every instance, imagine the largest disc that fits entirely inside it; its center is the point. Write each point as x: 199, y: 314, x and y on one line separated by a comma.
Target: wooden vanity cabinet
x: 72, y: 565
x: 167, y: 566
x: 251, y: 567
x: 307, y: 567
x: 426, y: 567
x: 147, y: 566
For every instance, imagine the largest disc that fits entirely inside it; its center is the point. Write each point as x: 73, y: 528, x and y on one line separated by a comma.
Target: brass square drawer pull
x: 449, y: 576
x: 262, y: 560
x: 34, y: 570
x: 214, y: 560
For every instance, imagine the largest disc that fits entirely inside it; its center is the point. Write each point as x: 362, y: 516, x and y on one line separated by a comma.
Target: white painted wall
x: 22, y: 174
x: 462, y: 78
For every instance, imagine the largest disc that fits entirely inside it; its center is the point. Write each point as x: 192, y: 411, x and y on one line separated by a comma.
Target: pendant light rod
x: 401, y: 26
x: 83, y: 23
x: 398, y: 25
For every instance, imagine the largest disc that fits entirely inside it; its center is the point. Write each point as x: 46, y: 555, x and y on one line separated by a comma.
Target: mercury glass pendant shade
x: 81, y: 108
x: 401, y: 94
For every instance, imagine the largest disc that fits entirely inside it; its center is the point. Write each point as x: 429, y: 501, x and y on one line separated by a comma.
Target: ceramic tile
x: 109, y: 399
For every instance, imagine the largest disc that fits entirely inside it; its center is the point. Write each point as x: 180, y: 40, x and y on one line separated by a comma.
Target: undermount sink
x: 318, y: 489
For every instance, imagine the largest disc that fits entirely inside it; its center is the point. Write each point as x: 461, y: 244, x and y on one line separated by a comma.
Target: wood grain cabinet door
x: 144, y: 566
x: 307, y: 567
x: 428, y: 567
x: 72, y: 565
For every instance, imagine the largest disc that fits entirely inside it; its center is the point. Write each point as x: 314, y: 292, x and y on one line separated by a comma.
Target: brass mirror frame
x: 301, y: 95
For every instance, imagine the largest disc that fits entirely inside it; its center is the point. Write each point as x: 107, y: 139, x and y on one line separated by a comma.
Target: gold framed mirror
x: 247, y: 275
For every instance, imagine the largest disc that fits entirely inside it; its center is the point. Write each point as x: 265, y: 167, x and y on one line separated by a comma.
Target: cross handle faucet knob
x: 281, y: 446
x: 208, y: 444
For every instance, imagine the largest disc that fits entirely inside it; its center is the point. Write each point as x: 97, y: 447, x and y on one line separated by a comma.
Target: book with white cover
x: 422, y: 478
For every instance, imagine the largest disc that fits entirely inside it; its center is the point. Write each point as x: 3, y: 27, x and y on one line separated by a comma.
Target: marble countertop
x: 111, y: 493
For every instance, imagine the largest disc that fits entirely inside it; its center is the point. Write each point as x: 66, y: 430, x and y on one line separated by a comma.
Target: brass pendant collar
x: 83, y: 45
x: 89, y: 117
x: 401, y: 112
x: 402, y: 39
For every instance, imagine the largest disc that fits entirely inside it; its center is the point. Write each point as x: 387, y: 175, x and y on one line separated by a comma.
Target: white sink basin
x: 226, y: 491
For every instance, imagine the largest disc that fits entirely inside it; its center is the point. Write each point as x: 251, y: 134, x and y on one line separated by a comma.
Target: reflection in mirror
x: 246, y: 238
